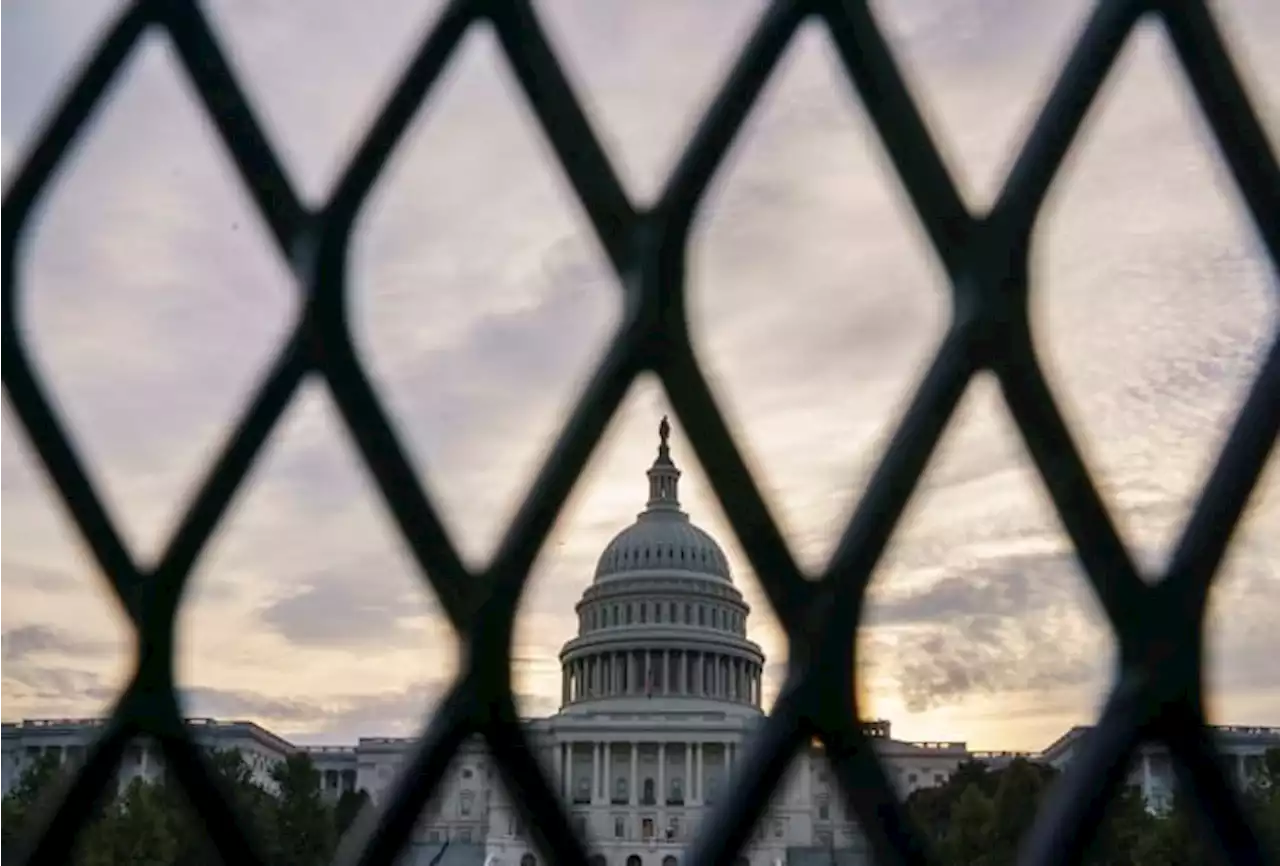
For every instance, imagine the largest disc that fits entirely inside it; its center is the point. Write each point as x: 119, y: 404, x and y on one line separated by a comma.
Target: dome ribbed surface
x: 661, y: 541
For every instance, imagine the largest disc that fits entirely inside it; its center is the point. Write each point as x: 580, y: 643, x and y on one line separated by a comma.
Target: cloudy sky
x: 482, y: 301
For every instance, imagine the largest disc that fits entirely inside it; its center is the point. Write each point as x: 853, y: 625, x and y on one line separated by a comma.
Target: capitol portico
x: 660, y: 692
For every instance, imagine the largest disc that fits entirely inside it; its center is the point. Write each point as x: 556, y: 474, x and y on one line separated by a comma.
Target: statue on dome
x: 664, y: 431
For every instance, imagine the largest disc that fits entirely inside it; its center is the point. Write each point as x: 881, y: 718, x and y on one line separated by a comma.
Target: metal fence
x: 1158, y: 693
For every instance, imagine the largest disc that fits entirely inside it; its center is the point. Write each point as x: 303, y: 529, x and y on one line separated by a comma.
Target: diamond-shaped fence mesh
x: 1158, y: 624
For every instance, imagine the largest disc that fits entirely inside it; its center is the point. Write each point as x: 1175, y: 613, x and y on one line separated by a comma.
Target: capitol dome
x: 662, y: 538
x: 662, y: 618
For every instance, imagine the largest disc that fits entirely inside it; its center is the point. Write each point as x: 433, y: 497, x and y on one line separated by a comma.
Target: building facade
x: 660, y: 693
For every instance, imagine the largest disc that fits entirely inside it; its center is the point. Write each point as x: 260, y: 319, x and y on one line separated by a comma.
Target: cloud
x: 307, y: 720
x: 1018, y: 622
x: 22, y: 642
x: 339, y: 612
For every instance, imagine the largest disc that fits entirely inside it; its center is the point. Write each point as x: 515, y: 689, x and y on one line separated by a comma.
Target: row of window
x: 648, y: 795
x: 660, y: 612
x: 675, y: 830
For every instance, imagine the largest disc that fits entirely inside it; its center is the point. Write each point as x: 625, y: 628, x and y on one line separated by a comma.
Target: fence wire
x: 1158, y: 694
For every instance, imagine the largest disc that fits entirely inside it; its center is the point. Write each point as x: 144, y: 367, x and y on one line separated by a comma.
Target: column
x: 634, y: 784
x: 666, y: 672
x: 700, y: 674
x: 662, y: 774
x: 688, y: 773
x: 595, y: 772
x: 566, y: 770
x: 606, y: 793
x: 697, y: 771
x: 564, y: 686
x: 631, y: 672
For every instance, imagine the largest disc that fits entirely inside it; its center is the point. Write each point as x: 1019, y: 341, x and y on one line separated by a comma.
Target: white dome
x: 662, y: 541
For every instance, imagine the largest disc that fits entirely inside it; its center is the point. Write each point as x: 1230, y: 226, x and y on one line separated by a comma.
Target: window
x: 583, y: 794
x: 911, y: 778
x: 671, y: 612
x: 647, y: 797
x: 702, y: 615
x: 579, y: 823
x: 673, y: 830
x: 688, y: 614
x: 620, y: 790
x: 464, y: 805
x: 644, y: 611
x: 619, y: 827
x: 777, y: 827
x: 939, y: 778
x: 630, y: 613
x: 646, y: 829
x: 466, y: 773
x: 464, y: 835
x: 675, y: 797
x: 824, y: 810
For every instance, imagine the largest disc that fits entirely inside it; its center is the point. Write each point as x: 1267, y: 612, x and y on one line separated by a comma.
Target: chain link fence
x: 1158, y: 625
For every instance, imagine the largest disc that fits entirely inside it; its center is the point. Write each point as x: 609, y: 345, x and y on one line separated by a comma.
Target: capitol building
x: 660, y: 694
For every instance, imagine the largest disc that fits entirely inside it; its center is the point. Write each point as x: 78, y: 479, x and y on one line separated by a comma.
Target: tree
x: 1016, y: 800
x: 250, y: 802
x: 134, y: 828
x: 968, y: 838
x: 1120, y: 835
x: 303, y: 827
x: 19, y: 804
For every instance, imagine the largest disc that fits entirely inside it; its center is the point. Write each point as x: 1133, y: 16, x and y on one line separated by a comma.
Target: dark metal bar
x: 581, y: 156
x: 907, y: 142
x: 388, y: 129
x: 705, y: 152
x: 1073, y: 94
x: 1106, y: 561
x: 735, y: 487
x: 228, y: 107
